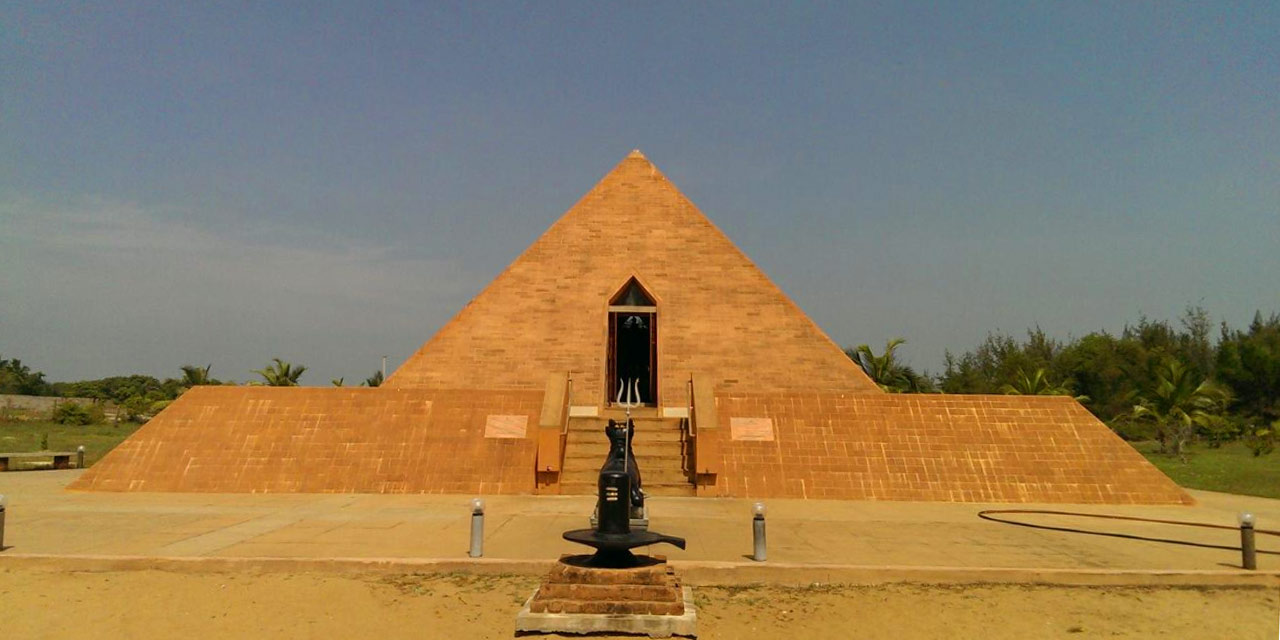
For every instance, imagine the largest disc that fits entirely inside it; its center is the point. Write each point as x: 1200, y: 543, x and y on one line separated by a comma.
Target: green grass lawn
x: 1231, y: 468
x: 98, y: 439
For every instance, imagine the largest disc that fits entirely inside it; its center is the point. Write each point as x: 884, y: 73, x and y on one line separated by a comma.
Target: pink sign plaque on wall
x: 497, y: 426
x: 757, y: 429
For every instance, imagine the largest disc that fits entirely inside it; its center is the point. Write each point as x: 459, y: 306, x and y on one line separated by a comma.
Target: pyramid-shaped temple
x: 633, y: 299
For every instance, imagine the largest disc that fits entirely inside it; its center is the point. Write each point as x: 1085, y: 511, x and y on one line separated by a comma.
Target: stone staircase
x: 658, y: 445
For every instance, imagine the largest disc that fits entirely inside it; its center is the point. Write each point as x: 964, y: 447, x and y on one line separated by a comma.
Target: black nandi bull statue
x: 622, y: 458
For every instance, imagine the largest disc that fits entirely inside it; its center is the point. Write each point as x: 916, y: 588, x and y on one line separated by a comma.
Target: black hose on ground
x: 990, y: 514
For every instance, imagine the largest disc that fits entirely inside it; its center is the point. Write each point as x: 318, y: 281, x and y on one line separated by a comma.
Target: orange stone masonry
x: 786, y: 413
x: 646, y: 590
x: 932, y: 448
x: 321, y: 440
x: 717, y: 312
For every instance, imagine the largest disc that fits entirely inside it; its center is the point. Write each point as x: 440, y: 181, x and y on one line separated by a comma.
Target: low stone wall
x: 42, y: 406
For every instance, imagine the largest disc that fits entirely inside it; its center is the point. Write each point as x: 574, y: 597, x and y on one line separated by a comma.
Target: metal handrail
x: 693, y: 426
x: 568, y: 394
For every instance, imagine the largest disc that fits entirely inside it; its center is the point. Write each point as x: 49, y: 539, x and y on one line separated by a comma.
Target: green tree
x: 1216, y: 429
x: 18, y: 378
x: 280, y: 373
x: 1176, y: 402
x: 889, y: 374
x: 1194, y: 345
x: 1249, y: 363
x: 374, y: 380
x: 337, y: 382
x: 1097, y: 367
x: 1150, y: 343
x: 118, y: 389
x: 998, y: 361
x: 193, y: 376
x: 914, y: 382
x: 74, y: 413
x: 1035, y: 384
x: 1262, y: 440
x: 136, y: 408
x: 881, y: 369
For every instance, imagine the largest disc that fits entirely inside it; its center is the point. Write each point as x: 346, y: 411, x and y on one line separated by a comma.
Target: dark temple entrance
x: 633, y: 343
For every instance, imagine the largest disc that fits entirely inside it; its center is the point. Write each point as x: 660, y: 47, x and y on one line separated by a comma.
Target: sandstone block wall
x: 548, y: 311
x: 295, y: 439
x: 929, y: 448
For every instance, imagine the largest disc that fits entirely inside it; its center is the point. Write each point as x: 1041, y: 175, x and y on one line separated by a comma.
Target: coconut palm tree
x: 337, y: 382
x: 280, y: 373
x: 194, y: 376
x: 1037, y: 384
x: 374, y: 380
x: 882, y: 369
x: 1176, y: 401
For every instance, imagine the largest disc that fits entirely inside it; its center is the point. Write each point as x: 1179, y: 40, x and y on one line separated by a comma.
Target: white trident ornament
x: 632, y: 388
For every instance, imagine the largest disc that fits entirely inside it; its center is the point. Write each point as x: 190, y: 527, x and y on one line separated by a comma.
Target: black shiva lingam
x: 620, y: 491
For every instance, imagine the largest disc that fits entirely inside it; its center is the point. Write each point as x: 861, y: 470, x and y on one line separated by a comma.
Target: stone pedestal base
x: 646, y: 600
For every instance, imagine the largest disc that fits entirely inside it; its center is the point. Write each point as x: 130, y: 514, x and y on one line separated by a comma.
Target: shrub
x: 1261, y: 440
x: 74, y: 413
x: 135, y: 409
x: 1216, y: 431
x: 1133, y: 430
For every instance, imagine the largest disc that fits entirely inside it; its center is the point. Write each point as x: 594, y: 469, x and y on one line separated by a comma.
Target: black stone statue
x: 622, y: 458
x: 619, y: 491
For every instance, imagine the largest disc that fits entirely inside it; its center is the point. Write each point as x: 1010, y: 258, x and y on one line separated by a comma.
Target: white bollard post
x: 1248, y: 550
x: 477, y: 528
x: 757, y: 533
x: 4, y: 506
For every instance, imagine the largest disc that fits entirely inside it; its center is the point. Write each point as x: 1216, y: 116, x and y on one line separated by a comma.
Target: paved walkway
x: 43, y: 518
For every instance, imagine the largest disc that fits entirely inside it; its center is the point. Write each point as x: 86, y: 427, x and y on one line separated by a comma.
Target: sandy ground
x: 155, y: 604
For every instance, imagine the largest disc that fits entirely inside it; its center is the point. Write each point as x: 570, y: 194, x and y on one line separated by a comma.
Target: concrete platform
x: 44, y: 519
x: 653, y: 626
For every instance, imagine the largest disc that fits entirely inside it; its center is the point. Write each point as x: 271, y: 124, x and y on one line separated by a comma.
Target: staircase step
x: 641, y: 436
x: 651, y: 449
x: 670, y: 490
x: 590, y: 489
x: 657, y: 472
x: 656, y: 476
x: 595, y: 457
x: 638, y: 413
x: 641, y: 423
x: 658, y: 444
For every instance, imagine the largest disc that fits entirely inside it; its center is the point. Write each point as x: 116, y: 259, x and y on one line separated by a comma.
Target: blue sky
x: 330, y: 182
